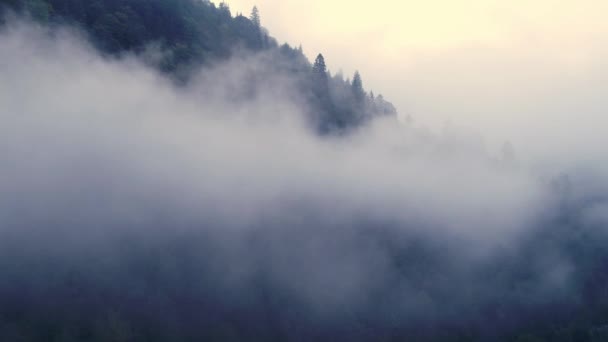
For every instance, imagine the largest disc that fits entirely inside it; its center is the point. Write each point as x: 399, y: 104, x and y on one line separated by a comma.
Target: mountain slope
x: 192, y: 33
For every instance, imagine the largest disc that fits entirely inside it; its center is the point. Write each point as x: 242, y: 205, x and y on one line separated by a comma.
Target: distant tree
x: 371, y: 106
x: 320, y: 84
x: 357, y: 88
x: 320, y: 77
x: 255, y: 17
x: 319, y: 68
x: 261, y: 35
x: 384, y: 107
x: 339, y: 76
x: 224, y: 8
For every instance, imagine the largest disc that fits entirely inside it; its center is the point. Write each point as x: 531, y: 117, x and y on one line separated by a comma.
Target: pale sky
x: 494, y: 65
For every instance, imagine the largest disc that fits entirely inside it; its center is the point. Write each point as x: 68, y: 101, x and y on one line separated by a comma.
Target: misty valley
x: 169, y: 171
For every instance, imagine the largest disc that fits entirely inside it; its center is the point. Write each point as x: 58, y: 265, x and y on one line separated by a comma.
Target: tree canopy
x: 196, y: 33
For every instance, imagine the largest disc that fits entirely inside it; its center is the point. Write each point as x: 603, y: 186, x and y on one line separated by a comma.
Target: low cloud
x: 222, y: 183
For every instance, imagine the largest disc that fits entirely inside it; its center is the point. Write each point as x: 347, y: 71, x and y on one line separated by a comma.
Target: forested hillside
x: 194, y: 33
x: 136, y: 205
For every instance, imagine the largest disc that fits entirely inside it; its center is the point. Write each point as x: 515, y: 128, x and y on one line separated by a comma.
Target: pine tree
x: 255, y: 17
x: 320, y: 88
x: 224, y: 8
x: 357, y: 88
x: 320, y: 77
x: 319, y: 68
x: 260, y: 35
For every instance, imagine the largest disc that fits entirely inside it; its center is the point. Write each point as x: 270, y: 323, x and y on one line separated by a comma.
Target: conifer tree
x: 255, y: 17
x: 319, y: 68
x: 357, y: 88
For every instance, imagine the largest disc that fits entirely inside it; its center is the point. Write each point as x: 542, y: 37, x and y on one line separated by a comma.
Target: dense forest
x: 193, y: 33
x: 121, y: 259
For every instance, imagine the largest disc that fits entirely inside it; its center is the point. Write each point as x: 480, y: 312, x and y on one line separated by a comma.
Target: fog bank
x: 125, y: 184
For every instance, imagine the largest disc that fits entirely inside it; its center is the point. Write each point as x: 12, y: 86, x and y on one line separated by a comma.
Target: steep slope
x: 191, y: 33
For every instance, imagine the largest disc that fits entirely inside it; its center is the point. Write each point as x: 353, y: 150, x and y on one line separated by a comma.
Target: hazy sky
x: 487, y: 64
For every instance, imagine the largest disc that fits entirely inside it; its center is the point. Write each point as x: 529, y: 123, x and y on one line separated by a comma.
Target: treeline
x: 192, y: 33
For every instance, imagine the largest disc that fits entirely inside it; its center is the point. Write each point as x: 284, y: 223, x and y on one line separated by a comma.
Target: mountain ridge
x: 193, y: 34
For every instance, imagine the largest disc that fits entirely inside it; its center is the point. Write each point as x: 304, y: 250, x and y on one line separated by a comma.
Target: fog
x: 104, y: 158
x: 532, y: 73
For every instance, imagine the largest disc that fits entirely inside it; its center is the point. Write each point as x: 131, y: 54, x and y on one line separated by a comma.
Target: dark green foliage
x: 342, y: 104
x: 357, y: 86
x: 327, y: 116
x: 194, y: 33
x: 39, y: 9
x: 319, y: 68
x: 255, y: 17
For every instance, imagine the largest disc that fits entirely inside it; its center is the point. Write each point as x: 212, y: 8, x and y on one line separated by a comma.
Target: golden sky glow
x: 429, y: 23
x: 472, y: 60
